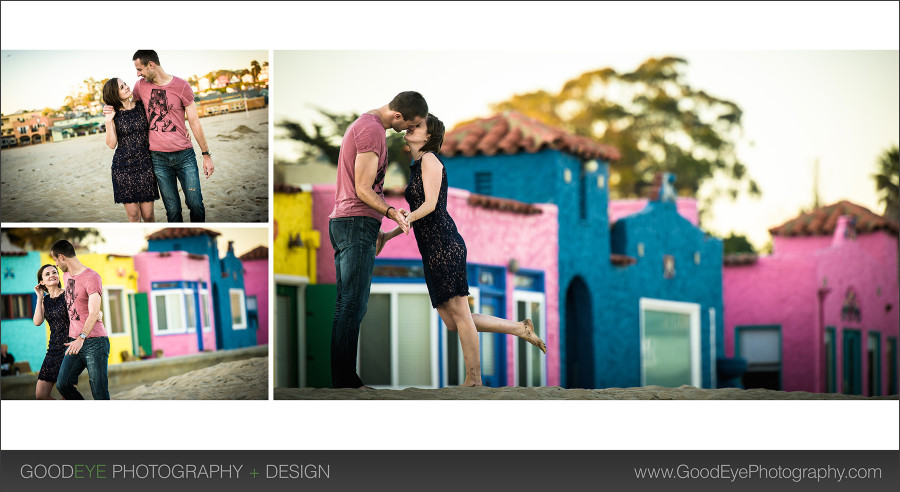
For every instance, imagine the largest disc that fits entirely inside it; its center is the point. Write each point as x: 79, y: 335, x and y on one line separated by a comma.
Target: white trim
x: 713, y: 383
x: 693, y: 311
x: 179, y: 294
x: 243, y: 305
x: 124, y: 306
x: 207, y: 327
x: 283, y: 279
x: 528, y: 296
x: 394, y: 290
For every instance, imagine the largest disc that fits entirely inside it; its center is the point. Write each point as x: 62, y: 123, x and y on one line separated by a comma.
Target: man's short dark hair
x: 410, y: 104
x: 145, y: 56
x: 62, y: 247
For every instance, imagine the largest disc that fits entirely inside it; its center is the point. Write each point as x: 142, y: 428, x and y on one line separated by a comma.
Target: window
x: 238, y: 309
x: 530, y: 363
x: 114, y: 311
x: 16, y: 306
x: 670, y: 343
x: 204, y: 310
x: 23, y: 130
x: 171, y: 312
x: 761, y: 346
x: 190, y: 311
x: 483, y: 183
x: 398, y: 338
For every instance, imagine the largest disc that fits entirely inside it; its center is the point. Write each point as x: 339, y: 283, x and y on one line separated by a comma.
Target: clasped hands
x: 401, y: 217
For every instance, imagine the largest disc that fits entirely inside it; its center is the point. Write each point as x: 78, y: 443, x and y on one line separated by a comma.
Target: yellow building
x: 119, y: 282
x: 295, y: 246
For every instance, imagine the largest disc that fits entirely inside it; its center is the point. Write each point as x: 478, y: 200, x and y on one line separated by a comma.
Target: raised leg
x: 522, y: 329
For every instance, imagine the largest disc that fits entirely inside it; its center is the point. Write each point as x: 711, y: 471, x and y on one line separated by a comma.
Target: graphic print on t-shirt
x: 70, y: 300
x: 159, y: 107
x: 378, y: 186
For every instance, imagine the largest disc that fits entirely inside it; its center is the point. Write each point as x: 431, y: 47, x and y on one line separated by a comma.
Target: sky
x: 36, y: 79
x: 837, y: 107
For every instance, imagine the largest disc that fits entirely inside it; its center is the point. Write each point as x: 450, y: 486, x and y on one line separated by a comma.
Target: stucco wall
x: 25, y: 341
x: 256, y: 283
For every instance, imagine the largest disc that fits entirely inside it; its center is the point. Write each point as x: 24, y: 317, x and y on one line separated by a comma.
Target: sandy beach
x: 32, y: 178
x: 557, y: 393
x: 246, y: 379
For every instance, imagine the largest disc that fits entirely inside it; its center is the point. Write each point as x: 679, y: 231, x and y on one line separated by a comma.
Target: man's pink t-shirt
x: 366, y: 134
x: 165, y: 105
x: 78, y: 289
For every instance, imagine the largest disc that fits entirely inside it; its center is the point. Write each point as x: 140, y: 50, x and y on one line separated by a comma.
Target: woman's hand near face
x: 39, y: 291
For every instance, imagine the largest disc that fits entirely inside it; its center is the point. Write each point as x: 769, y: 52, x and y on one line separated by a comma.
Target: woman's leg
x: 522, y: 329
x: 43, y: 389
x: 147, y: 212
x: 133, y: 211
x: 459, y: 317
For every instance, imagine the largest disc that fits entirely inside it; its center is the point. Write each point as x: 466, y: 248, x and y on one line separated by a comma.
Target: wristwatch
x: 82, y: 336
x: 206, y: 153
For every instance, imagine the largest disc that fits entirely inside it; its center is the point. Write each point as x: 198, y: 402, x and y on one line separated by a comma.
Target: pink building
x: 178, y: 288
x: 256, y: 286
x: 513, y: 273
x: 820, y: 314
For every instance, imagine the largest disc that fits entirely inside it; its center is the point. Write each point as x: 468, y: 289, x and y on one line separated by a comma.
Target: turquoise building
x: 26, y: 342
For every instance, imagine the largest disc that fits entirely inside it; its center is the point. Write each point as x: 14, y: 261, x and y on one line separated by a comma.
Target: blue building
x: 234, y: 329
x: 26, y: 342
x: 640, y: 302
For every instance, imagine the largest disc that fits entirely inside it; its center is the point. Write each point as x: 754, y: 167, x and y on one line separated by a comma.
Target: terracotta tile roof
x: 739, y: 259
x: 622, y: 260
x: 286, y: 188
x: 513, y: 132
x: 180, y: 232
x: 503, y: 204
x: 822, y: 221
x: 258, y: 253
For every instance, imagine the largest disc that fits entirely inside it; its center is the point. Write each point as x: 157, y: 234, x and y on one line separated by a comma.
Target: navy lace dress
x: 442, y: 248
x: 57, y: 317
x: 132, y: 168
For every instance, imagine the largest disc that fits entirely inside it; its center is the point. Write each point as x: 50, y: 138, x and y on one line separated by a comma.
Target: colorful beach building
x: 295, y: 245
x: 26, y: 342
x: 177, y: 303
x: 232, y: 326
x: 820, y: 313
x: 512, y: 274
x: 256, y: 285
x: 639, y: 301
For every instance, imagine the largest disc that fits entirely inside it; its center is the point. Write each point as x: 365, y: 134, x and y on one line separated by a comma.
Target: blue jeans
x: 180, y: 166
x: 94, y: 355
x: 353, y: 240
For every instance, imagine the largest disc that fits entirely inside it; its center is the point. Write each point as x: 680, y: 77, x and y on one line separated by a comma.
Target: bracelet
x: 387, y: 211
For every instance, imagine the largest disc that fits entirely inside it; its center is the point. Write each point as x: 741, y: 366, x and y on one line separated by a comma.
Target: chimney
x: 845, y: 230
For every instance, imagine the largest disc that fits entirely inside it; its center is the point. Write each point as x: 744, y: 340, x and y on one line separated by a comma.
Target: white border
x: 688, y: 308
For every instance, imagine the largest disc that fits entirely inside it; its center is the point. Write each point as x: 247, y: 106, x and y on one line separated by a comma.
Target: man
x: 355, y: 222
x: 7, y: 362
x: 167, y: 99
x: 90, y: 345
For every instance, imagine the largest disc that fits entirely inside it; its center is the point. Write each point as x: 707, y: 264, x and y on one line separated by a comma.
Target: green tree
x: 41, y: 239
x: 657, y: 121
x: 326, y: 139
x: 737, y: 244
x: 887, y: 182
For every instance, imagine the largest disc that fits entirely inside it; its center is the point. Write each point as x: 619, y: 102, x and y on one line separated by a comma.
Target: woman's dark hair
x: 435, y: 128
x: 40, y: 278
x: 111, y: 94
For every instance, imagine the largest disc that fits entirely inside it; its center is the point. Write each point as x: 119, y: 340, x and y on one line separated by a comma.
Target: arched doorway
x: 579, y: 336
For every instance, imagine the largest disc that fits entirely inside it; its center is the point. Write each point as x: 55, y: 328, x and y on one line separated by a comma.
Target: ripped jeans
x: 170, y: 169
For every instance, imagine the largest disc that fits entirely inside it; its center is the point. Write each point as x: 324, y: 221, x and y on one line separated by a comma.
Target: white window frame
x: 395, y: 290
x: 125, y: 307
x: 676, y: 307
x: 529, y: 296
x: 172, y: 293
x: 461, y: 365
x: 243, y: 324
x: 205, y: 305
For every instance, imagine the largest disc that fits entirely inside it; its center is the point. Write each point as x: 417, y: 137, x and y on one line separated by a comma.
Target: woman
x: 444, y: 252
x: 134, y: 183
x: 51, y: 307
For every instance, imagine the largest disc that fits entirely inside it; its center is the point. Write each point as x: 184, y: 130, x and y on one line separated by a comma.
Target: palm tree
x: 887, y: 182
x: 255, y: 69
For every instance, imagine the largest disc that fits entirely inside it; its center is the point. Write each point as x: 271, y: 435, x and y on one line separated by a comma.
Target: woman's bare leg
x: 457, y: 310
x: 133, y: 211
x: 43, y: 389
x: 147, y: 212
x: 522, y: 329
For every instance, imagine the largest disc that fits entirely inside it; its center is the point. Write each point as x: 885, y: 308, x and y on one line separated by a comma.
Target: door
x: 761, y: 347
x: 530, y: 363
x: 319, y: 313
x: 852, y: 374
x: 286, y: 356
x: 142, y: 322
x: 579, y: 360
x: 670, y: 343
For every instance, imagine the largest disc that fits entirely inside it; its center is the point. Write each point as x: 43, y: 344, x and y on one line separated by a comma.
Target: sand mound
x: 557, y: 393
x: 246, y: 379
